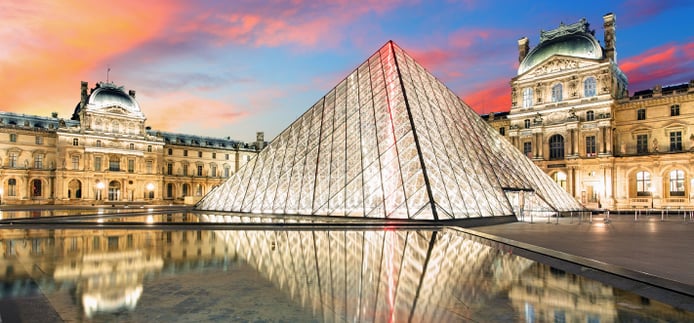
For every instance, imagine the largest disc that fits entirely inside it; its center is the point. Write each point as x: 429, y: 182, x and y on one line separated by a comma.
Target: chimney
x: 523, y: 48
x: 609, y: 21
x: 260, y: 140
x: 658, y: 90
x: 131, y: 93
x: 85, y: 96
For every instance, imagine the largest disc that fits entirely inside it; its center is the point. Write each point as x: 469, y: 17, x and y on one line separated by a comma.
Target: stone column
x: 601, y: 143
x: 608, y: 140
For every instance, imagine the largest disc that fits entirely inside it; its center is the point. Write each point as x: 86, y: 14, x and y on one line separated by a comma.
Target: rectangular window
x: 502, y: 131
x: 590, y: 146
x: 75, y: 163
x: 13, y: 137
x: 641, y: 114
x: 169, y: 170
x: 97, y: 164
x: 149, y: 148
x: 148, y: 166
x: 641, y: 144
x: 13, y: 160
x: 226, y: 171
x: 131, y: 165
x: 213, y: 171
x: 199, y: 170
x: 11, y: 187
x: 38, y: 161
x: 200, y: 154
x: 674, y: 110
x: 527, y: 97
x: 214, y: 155
x: 39, y: 140
x: 185, y: 170
x: 185, y: 153
x: 226, y: 156
x: 526, y: 123
x: 528, y: 148
x: 114, y: 164
x: 676, y: 141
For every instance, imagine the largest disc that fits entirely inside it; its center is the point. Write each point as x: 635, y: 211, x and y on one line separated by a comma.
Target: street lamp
x: 99, y: 187
x: 150, y: 188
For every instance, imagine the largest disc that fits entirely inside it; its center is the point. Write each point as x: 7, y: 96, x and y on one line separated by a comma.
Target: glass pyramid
x: 389, y: 141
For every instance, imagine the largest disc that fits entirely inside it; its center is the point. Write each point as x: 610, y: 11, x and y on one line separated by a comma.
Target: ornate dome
x: 569, y: 40
x: 108, y: 95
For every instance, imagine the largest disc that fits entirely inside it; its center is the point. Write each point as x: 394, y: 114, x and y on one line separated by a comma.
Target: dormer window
x: 557, y: 93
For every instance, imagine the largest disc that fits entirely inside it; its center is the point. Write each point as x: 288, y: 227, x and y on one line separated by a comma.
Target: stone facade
x: 572, y: 115
x: 106, y: 154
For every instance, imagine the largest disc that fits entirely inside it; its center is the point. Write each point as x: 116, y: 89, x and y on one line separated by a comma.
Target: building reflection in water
x: 338, y: 275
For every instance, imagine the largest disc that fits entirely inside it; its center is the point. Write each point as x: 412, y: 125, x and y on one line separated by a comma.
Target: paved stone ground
x: 649, y: 245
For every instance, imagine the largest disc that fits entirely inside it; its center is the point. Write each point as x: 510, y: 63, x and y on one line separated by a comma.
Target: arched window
x: 643, y: 183
x: 557, y: 90
x: 527, y: 97
x: 589, y: 87
x: 11, y: 187
x: 590, y: 115
x: 556, y: 147
x: 677, y: 183
x: 36, y: 188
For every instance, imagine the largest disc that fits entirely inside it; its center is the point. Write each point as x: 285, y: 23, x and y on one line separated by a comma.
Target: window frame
x: 557, y: 92
x: 589, y: 87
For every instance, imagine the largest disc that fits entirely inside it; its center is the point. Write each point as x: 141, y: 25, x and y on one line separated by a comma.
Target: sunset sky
x: 231, y: 68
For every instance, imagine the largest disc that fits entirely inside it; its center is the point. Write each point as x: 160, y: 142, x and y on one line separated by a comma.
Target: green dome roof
x: 573, y: 40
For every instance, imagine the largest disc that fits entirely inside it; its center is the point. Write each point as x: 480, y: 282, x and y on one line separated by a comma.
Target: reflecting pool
x: 143, y: 265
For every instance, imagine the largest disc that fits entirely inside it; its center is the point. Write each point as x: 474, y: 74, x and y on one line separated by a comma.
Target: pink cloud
x: 492, y: 96
x: 665, y: 64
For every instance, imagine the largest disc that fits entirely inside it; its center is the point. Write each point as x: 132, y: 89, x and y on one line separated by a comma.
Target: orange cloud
x: 49, y: 45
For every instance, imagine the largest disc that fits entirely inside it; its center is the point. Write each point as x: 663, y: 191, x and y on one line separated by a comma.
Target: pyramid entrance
x: 389, y: 141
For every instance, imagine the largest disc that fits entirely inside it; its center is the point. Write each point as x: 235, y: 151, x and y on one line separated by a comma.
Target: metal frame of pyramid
x: 389, y: 141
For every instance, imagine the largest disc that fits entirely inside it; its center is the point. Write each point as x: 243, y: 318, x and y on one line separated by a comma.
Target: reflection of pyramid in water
x: 389, y: 141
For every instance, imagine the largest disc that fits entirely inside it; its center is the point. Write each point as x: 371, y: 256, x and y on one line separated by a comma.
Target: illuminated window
x: 677, y: 183
x: 557, y: 92
x: 589, y: 87
x: 643, y: 184
x: 527, y: 97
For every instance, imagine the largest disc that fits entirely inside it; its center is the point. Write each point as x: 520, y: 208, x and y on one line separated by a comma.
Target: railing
x: 641, y: 201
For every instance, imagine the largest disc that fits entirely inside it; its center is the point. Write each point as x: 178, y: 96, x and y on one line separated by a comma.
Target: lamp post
x: 99, y: 187
x: 150, y: 188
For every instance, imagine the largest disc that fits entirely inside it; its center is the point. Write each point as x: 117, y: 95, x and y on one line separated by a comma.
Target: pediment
x: 116, y: 110
x: 557, y: 64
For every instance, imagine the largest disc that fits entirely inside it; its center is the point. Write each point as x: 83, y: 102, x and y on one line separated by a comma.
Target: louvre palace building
x: 105, y: 154
x: 573, y: 116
